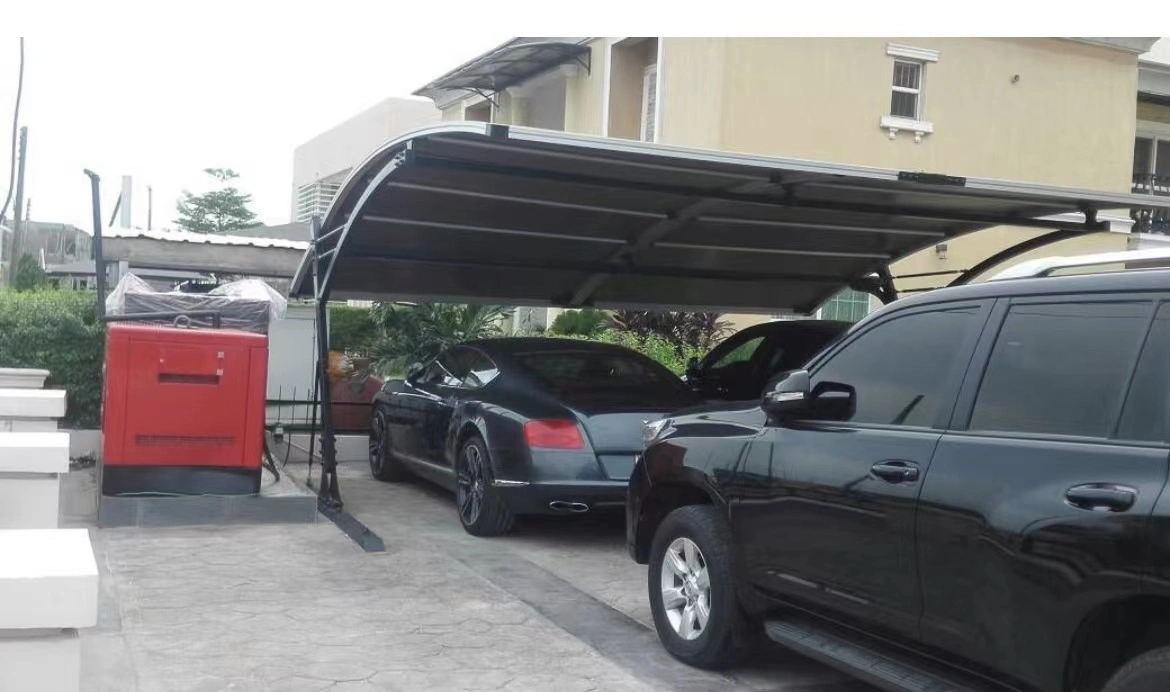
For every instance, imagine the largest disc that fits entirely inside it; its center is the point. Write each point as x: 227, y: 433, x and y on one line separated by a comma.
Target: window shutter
x: 649, y: 99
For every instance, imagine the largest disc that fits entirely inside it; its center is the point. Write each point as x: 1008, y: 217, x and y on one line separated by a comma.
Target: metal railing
x: 1151, y: 184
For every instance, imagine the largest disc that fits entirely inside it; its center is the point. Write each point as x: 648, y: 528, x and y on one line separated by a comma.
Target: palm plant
x: 418, y: 333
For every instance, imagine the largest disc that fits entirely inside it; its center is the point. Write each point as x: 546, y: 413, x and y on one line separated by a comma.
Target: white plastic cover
x: 255, y: 289
x: 248, y: 304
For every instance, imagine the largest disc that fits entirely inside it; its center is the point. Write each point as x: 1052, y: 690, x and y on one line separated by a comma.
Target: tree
x: 418, y: 333
x: 29, y: 274
x: 222, y: 210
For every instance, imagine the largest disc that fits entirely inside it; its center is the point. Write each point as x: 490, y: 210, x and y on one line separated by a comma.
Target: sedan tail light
x: 553, y: 434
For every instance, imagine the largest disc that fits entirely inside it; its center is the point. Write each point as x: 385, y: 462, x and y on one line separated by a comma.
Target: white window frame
x: 917, y: 125
x: 917, y: 91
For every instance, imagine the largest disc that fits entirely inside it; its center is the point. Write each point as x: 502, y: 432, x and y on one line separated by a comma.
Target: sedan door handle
x: 895, y: 471
x: 1101, y: 497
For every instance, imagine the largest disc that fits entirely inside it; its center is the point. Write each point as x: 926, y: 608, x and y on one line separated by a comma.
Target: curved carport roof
x: 476, y: 212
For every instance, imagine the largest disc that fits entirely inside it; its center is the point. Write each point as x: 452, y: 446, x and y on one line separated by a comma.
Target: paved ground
x: 300, y: 607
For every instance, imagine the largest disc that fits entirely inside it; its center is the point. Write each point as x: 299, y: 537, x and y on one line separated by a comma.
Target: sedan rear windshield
x: 564, y: 372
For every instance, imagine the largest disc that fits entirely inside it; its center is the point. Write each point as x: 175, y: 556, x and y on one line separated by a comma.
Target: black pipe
x: 328, y: 494
x: 99, y: 259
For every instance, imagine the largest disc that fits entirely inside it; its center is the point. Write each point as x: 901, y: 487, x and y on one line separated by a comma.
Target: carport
x: 485, y: 213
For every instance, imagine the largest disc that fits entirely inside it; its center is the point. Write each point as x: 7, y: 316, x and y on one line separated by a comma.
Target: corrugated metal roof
x: 205, y: 238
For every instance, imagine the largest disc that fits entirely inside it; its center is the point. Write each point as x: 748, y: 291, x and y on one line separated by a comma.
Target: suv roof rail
x: 1046, y: 265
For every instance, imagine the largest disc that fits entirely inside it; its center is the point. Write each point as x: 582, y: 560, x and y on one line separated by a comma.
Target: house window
x: 1151, y: 164
x: 848, y: 306
x: 907, y: 89
x: 649, y: 101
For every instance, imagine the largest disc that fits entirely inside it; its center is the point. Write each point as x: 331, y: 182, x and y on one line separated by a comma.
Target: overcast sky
x: 161, y: 91
x: 161, y: 107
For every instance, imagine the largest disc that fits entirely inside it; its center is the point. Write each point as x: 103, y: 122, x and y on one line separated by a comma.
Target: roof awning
x: 513, y: 63
x: 473, y: 212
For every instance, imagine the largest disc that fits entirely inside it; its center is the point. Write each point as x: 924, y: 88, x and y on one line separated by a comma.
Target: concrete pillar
x: 48, y: 576
x: 48, y: 589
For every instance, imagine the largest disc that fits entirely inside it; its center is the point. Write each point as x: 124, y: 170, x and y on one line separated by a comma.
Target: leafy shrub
x: 674, y: 356
x: 351, y: 329
x: 417, y: 333
x: 687, y: 330
x: 586, y: 322
x: 59, y: 332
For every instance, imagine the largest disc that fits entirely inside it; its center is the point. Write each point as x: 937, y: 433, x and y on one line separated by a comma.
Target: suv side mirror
x: 692, y: 370
x: 788, y: 394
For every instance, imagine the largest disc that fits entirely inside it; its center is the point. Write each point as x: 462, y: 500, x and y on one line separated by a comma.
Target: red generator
x: 183, y: 410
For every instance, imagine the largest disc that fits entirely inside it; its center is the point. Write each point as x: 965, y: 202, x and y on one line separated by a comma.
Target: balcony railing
x: 1149, y: 220
x: 1151, y: 184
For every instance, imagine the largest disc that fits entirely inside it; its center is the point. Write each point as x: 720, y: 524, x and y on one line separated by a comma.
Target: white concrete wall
x: 291, y: 357
x: 335, y: 151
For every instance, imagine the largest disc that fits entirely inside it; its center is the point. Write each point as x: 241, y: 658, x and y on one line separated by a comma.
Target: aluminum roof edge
x: 536, y: 135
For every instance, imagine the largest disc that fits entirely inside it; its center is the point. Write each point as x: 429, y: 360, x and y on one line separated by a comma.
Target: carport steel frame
x: 912, y: 210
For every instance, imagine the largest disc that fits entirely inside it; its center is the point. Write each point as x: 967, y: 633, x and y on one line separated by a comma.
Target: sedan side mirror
x: 414, y: 370
x: 788, y: 394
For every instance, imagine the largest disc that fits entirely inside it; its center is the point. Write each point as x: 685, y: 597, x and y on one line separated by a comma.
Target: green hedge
x: 59, y: 332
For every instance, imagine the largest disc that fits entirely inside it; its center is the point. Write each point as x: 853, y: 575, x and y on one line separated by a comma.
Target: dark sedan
x: 522, y: 426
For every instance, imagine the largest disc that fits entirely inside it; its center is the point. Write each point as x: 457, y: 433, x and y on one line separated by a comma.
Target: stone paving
x: 557, y: 606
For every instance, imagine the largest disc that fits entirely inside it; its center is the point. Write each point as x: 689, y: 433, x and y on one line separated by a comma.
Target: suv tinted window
x: 1060, y: 368
x: 899, y: 368
x: 1144, y: 415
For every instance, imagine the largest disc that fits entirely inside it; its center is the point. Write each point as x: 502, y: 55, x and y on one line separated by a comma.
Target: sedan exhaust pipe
x: 569, y: 507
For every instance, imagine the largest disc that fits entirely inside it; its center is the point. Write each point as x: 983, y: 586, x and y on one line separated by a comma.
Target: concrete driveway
x: 575, y: 572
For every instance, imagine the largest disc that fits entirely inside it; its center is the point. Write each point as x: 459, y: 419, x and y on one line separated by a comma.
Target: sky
x: 162, y: 90
x: 163, y: 106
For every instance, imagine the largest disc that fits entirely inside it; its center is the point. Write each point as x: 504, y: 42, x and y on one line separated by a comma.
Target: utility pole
x: 17, y: 217
x: 149, y: 205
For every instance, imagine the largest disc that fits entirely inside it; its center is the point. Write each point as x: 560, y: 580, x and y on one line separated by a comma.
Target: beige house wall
x: 1068, y: 119
x: 585, y: 93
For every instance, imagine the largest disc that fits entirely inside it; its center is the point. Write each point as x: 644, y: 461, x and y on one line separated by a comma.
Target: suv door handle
x: 895, y: 471
x: 1101, y: 497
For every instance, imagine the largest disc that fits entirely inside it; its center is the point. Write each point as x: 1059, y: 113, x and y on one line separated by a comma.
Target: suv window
x: 899, y: 368
x: 1144, y: 415
x: 1060, y: 368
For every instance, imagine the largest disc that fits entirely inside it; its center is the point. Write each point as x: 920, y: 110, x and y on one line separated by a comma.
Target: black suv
x: 963, y: 492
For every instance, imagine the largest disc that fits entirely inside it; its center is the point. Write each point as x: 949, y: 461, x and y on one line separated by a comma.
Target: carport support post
x: 328, y: 494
